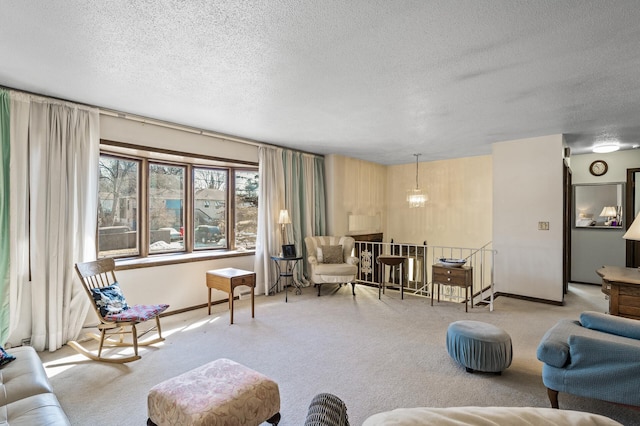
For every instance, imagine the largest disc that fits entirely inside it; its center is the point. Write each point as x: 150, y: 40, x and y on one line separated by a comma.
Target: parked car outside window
x: 208, y: 233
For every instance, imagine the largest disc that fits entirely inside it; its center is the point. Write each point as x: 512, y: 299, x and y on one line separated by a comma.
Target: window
x: 160, y: 202
x: 166, y: 213
x: 118, y: 215
x: 246, y: 220
x: 210, y: 207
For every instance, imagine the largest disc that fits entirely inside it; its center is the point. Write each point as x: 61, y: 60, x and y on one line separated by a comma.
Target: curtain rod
x: 162, y: 123
x: 181, y: 127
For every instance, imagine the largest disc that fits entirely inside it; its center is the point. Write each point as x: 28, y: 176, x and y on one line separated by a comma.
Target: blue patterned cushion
x: 110, y: 299
x: 5, y: 358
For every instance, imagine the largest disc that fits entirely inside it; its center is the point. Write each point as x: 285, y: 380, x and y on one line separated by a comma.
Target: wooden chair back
x: 97, y: 274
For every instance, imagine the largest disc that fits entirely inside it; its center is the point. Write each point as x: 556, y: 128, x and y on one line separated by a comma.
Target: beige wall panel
x: 459, y: 210
x: 354, y: 187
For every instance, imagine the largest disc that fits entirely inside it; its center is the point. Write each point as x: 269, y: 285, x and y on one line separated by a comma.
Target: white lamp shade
x: 284, y: 217
x: 633, y: 233
x: 608, y: 211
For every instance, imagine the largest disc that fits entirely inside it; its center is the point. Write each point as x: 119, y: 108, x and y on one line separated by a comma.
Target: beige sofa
x: 26, y: 396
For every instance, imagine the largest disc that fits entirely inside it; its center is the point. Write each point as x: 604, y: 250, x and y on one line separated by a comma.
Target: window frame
x: 146, y: 156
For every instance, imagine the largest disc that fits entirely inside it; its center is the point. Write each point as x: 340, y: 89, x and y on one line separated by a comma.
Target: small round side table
x: 290, y: 264
x: 391, y: 260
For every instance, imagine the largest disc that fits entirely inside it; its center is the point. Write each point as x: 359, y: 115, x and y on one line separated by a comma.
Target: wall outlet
x: 543, y: 226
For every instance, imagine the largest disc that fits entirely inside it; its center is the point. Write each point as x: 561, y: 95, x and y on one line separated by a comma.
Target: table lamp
x: 609, y: 212
x: 283, y: 220
x: 633, y: 233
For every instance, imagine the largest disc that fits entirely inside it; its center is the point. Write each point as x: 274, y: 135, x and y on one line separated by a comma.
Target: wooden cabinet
x: 622, y: 285
x: 459, y: 277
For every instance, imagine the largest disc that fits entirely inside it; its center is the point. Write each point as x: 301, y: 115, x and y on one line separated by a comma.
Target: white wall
x: 159, y: 137
x: 181, y: 285
x: 527, y: 189
x: 593, y: 248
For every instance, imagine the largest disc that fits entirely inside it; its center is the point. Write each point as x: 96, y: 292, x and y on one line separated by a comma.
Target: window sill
x: 176, y: 258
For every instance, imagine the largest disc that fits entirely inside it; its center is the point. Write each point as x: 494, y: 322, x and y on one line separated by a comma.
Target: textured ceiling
x: 370, y: 79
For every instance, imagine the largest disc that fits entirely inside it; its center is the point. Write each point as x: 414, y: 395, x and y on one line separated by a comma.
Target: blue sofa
x: 597, y: 357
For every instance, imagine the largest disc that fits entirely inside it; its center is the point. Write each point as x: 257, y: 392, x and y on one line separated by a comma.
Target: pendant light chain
x: 417, y: 155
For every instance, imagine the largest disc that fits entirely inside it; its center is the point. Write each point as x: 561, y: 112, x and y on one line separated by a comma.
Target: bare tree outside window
x: 118, y: 207
x: 246, y: 208
x: 126, y: 231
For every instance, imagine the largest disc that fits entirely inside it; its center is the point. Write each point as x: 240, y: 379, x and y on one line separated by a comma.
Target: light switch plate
x: 543, y: 226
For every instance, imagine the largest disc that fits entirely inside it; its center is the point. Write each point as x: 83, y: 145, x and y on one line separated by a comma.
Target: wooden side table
x: 227, y: 280
x: 459, y: 277
x: 391, y: 260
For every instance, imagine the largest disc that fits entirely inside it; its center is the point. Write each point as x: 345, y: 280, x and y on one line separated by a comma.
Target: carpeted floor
x: 376, y: 355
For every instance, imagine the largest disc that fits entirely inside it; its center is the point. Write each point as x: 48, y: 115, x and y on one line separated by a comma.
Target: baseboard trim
x: 528, y: 298
x: 193, y: 308
x: 584, y: 282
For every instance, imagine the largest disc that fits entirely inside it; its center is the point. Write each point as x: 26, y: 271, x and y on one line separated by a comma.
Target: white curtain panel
x: 272, y: 200
x: 19, y: 206
x: 63, y: 188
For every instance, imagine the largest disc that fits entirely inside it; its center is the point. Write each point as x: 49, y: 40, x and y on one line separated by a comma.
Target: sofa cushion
x: 110, y: 299
x: 611, y: 324
x: 5, y: 358
x: 41, y: 409
x: 23, y: 377
x: 344, y: 269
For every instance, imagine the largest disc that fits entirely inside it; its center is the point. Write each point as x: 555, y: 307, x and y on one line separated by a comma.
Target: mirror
x: 599, y: 205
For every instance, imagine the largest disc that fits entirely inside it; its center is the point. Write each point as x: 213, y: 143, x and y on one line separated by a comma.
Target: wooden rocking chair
x: 116, y: 317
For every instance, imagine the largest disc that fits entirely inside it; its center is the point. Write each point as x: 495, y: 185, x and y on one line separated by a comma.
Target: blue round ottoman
x: 479, y: 346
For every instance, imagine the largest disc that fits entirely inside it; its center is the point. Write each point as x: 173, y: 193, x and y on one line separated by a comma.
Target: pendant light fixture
x: 416, y: 197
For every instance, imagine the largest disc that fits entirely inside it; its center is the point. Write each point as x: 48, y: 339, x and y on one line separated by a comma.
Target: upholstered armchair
x: 596, y: 357
x: 331, y: 261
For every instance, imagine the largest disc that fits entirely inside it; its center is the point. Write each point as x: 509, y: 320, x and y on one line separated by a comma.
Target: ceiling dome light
x: 605, y: 147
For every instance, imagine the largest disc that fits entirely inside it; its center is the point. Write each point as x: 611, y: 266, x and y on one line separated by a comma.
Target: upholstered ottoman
x: 221, y: 392
x: 479, y: 346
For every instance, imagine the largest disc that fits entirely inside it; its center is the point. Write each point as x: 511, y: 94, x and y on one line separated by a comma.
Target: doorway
x: 632, y: 199
x: 567, y: 197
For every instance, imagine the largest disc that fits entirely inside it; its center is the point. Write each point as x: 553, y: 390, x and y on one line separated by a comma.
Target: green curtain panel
x: 320, y: 206
x: 305, y: 198
x: 4, y: 216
